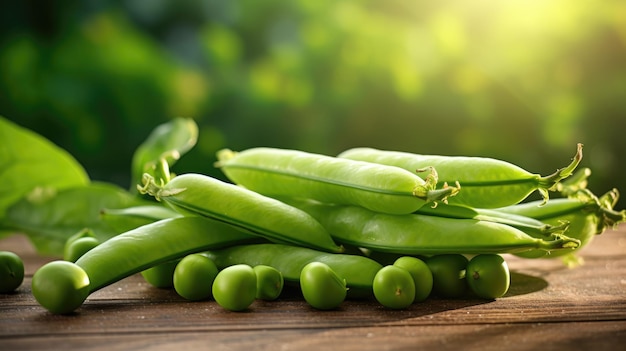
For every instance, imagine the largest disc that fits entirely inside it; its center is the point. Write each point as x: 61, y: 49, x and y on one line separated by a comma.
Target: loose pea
x: 488, y: 276
x: 269, y: 281
x: 234, y: 287
x: 11, y: 271
x: 422, y: 276
x: 394, y: 287
x: 193, y: 277
x: 60, y: 286
x: 79, y: 247
x: 161, y: 275
x: 448, y: 274
x: 321, y: 287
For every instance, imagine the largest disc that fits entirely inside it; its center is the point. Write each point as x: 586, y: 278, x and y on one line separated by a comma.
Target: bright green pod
x: 200, y: 195
x: 415, y: 234
x: 485, y: 182
x: 281, y: 172
x: 132, y: 252
x: 358, y: 271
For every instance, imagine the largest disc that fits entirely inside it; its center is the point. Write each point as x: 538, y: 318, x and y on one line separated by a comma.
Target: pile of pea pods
x: 391, y: 226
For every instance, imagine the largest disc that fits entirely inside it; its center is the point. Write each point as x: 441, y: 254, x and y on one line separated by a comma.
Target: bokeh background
x: 520, y: 80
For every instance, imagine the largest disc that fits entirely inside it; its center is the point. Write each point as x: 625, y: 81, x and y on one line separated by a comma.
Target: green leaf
x: 49, y: 218
x: 28, y: 161
x: 163, y: 147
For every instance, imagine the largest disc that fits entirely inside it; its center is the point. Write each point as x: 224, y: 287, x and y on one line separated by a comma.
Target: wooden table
x: 549, y: 307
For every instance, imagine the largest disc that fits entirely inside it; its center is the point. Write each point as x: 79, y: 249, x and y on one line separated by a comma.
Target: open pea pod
x: 163, y: 147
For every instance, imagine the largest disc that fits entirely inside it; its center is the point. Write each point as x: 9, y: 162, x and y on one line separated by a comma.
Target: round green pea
x: 194, y: 276
x: 269, y: 282
x: 234, y: 287
x: 60, y: 286
x: 394, y: 287
x: 448, y: 275
x: 321, y: 287
x: 78, y: 247
x: 421, y: 274
x: 488, y: 276
x: 162, y: 275
x: 11, y: 271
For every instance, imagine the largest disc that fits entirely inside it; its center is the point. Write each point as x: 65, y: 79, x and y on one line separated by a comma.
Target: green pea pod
x: 125, y: 219
x: 586, y: 214
x: 416, y: 234
x: 281, y: 172
x: 127, y: 254
x: 526, y: 224
x: 200, y: 195
x: 358, y: 271
x: 485, y: 182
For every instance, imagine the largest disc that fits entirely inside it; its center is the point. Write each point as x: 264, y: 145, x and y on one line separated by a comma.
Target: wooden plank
x: 549, y: 306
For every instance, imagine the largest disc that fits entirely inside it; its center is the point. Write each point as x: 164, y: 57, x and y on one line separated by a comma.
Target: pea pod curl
x: 486, y: 182
x: 282, y: 172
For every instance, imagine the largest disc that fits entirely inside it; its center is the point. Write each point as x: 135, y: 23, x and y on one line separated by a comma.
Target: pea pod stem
x: 200, y: 195
x: 282, y: 172
x: 486, y: 182
x: 358, y: 271
x: 416, y: 234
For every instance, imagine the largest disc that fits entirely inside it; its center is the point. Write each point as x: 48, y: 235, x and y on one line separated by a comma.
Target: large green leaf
x: 163, y: 147
x: 28, y: 161
x: 50, y: 218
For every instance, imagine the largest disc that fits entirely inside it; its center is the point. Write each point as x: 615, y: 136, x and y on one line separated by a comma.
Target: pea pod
x: 416, y: 234
x: 526, y: 224
x: 130, y: 253
x: 486, y: 182
x: 358, y: 271
x: 196, y: 194
x: 587, y: 215
x: 281, y: 172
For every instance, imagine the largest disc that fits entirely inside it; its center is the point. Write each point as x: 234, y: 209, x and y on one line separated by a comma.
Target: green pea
x: 270, y: 282
x: 448, y: 274
x: 321, y: 287
x: 359, y: 271
x: 193, y: 277
x: 488, y: 276
x: 11, y: 271
x: 421, y: 274
x: 394, y: 287
x: 162, y: 275
x: 60, y: 286
x: 234, y: 287
x: 79, y: 247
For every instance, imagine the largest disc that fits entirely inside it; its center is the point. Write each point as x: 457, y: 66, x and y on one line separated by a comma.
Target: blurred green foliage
x: 520, y: 80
